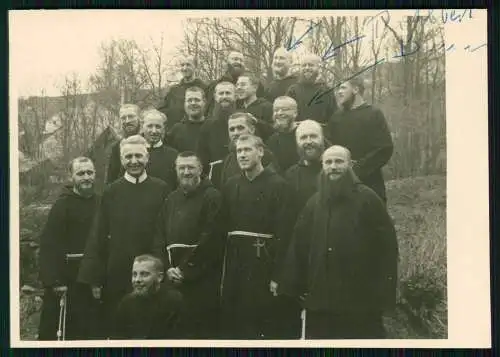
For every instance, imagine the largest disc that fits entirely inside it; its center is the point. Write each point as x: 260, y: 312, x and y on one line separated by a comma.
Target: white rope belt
x: 212, y: 164
x: 177, y: 245
x: 72, y: 256
x: 250, y: 234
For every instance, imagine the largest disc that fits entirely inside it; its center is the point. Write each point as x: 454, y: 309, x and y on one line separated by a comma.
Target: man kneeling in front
x: 151, y: 310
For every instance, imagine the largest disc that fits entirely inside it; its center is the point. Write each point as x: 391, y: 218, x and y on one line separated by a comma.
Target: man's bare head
x: 310, y: 65
x: 282, y: 61
x: 235, y: 63
x: 336, y: 160
x: 187, y: 67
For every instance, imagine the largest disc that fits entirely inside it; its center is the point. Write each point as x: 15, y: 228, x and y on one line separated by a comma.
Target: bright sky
x: 47, y: 45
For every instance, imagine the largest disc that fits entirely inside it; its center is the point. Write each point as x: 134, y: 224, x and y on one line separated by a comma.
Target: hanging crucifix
x: 259, y: 243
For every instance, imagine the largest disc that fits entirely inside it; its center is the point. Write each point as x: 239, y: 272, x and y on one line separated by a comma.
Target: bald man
x: 235, y: 67
x: 314, y: 99
x: 282, y: 80
x: 343, y: 256
x: 303, y: 176
x: 173, y: 103
x: 282, y: 143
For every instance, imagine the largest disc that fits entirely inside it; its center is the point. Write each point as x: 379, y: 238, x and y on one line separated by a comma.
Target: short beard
x: 312, y: 79
x: 194, y: 182
x: 319, y: 150
x: 220, y: 111
x: 84, y: 192
x: 347, y: 104
x: 235, y: 71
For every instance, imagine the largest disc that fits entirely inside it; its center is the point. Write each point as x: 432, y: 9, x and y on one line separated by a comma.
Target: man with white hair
x: 173, y: 103
x: 124, y: 225
x: 235, y: 67
x: 130, y: 120
x: 282, y: 80
x: 303, y: 176
x: 343, y: 256
x: 283, y: 143
x: 314, y: 99
x: 161, y: 163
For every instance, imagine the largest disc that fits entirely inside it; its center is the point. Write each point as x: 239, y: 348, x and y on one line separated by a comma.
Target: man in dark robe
x: 314, y: 99
x: 173, y: 103
x: 282, y: 80
x: 304, y: 175
x: 255, y: 216
x: 186, y: 219
x: 261, y: 109
x: 343, y: 256
x: 161, y: 163
x: 184, y: 135
x: 129, y: 117
x: 283, y: 143
x: 235, y: 67
x: 213, y: 143
x: 152, y: 309
x: 363, y: 130
x: 124, y: 226
x: 62, y: 244
x: 242, y: 124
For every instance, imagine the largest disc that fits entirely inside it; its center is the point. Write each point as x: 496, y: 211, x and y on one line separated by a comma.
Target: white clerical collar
x: 157, y: 145
x: 134, y: 180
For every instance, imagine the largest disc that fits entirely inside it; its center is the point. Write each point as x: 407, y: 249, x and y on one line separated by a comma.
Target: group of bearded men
x: 232, y: 211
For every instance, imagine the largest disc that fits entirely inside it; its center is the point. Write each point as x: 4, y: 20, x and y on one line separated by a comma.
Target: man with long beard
x: 242, y: 124
x: 282, y: 80
x: 235, y: 67
x: 260, y: 108
x: 213, y: 143
x: 62, y: 244
x: 173, y: 103
x: 187, y: 219
x: 152, y: 309
x: 314, y: 99
x: 255, y: 224
x: 303, y: 176
x: 343, y: 256
x: 161, y: 162
x: 363, y: 130
x: 129, y: 117
x: 124, y: 225
x: 184, y: 135
x: 283, y: 143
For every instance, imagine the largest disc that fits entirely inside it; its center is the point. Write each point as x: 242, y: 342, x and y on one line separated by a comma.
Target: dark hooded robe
x: 314, y: 101
x: 279, y: 87
x: 115, y: 168
x: 213, y: 144
x: 184, y: 135
x: 186, y: 220
x: 230, y: 166
x: 303, y: 178
x: 262, y: 110
x: 173, y: 103
x: 154, y: 316
x: 364, y: 131
x: 62, y: 243
x: 343, y: 259
x: 123, y: 229
x: 284, y: 147
x: 260, y: 206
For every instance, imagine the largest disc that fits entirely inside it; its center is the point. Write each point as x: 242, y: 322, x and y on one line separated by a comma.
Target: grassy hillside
x: 418, y: 207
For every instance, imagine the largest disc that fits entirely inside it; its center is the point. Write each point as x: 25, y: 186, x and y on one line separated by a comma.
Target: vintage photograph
x: 233, y: 177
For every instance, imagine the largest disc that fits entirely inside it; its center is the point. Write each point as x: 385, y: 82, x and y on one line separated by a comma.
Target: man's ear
x: 161, y: 276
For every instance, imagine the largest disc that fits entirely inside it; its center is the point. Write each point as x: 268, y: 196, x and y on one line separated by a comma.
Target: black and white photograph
x: 260, y: 178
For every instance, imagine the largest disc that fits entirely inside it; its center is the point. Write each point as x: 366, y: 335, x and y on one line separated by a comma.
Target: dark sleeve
x: 270, y: 160
x: 384, y: 245
x: 381, y: 144
x: 203, y: 149
x: 167, y: 322
x: 293, y: 273
x: 282, y: 227
x: 52, y: 240
x: 93, y: 265
x: 160, y: 237
x: 199, y: 262
x: 170, y: 137
x: 210, y: 98
x: 120, y: 322
x: 290, y: 92
x: 114, y: 166
x: 172, y: 173
x: 261, y: 92
x: 165, y: 105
